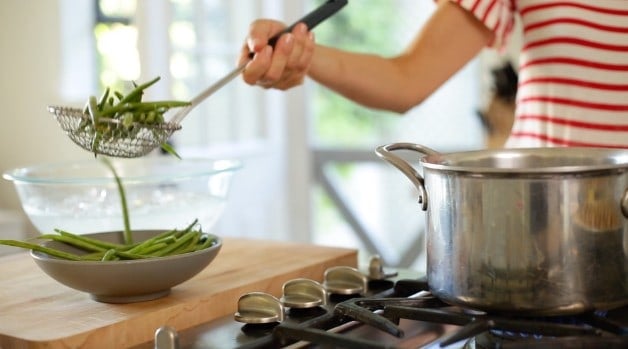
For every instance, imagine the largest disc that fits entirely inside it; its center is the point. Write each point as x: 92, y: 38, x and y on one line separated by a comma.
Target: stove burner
x: 489, y: 341
x: 476, y: 324
x: 517, y: 332
x: 365, y: 310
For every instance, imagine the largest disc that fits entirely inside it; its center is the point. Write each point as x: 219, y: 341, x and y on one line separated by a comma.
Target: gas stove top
x: 353, y: 309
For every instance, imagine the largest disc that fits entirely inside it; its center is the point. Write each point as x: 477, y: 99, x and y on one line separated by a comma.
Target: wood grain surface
x: 38, y: 312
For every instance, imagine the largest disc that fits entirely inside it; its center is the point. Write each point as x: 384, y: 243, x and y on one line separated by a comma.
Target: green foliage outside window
x: 364, y: 26
x: 117, y: 57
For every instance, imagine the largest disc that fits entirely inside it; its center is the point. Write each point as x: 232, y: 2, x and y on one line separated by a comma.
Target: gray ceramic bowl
x: 125, y: 281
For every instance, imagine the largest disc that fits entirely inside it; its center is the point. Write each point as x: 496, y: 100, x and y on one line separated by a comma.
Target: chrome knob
x: 345, y: 280
x: 303, y: 293
x: 166, y: 337
x: 377, y: 271
x: 259, y: 308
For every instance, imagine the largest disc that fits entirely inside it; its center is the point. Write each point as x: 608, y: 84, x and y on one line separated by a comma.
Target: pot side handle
x: 385, y: 152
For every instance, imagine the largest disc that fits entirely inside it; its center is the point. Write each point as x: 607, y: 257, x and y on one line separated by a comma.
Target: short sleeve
x: 497, y: 15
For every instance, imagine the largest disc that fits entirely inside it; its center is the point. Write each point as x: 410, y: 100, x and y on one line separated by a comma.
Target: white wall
x: 29, y: 73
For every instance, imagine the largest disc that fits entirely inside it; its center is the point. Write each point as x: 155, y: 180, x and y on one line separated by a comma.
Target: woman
x: 573, y: 66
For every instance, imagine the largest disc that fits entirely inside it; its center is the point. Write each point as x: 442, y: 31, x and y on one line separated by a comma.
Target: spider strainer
x: 110, y: 137
x: 136, y: 141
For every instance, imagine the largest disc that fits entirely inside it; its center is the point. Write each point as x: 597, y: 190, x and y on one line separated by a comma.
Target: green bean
x: 110, y: 255
x: 94, y: 256
x: 127, y: 120
x: 74, y: 242
x: 142, y: 248
x: 190, y: 246
x: 96, y: 142
x: 40, y: 248
x: 161, y: 106
x: 175, y: 245
x: 169, y: 149
x: 97, y: 242
x: 136, y: 94
x: 128, y: 238
x: 120, y: 254
x: 206, y: 243
x: 166, y: 240
x: 94, y: 112
x: 103, y: 99
x: 153, y: 248
x: 191, y: 225
x: 138, y: 248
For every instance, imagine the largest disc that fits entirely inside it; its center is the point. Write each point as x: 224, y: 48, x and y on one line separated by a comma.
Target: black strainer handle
x: 312, y: 19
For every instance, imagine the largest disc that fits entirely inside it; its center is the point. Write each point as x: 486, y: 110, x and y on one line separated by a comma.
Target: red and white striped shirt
x: 573, y: 69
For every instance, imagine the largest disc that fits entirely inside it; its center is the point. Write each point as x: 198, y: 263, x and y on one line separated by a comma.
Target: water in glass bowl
x: 100, y: 210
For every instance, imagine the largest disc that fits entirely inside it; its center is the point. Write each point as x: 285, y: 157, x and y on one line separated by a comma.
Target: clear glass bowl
x: 161, y: 193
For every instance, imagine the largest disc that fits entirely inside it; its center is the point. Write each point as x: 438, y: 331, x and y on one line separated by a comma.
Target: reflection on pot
x: 599, y: 254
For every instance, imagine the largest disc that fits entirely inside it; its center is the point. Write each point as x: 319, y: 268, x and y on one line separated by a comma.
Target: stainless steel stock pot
x: 537, y: 231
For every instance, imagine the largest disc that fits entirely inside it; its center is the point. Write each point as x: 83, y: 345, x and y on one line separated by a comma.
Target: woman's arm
x: 449, y: 39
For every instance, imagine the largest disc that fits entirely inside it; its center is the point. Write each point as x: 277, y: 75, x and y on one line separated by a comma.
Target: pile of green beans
x: 168, y: 243
x: 129, y: 108
x: 115, y: 115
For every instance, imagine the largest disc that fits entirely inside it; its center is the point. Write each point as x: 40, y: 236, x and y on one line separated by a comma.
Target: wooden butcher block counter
x: 38, y: 312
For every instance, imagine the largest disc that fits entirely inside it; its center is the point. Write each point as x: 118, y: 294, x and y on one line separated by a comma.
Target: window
x: 116, y: 43
x: 302, y: 144
x: 191, y: 44
x: 360, y: 200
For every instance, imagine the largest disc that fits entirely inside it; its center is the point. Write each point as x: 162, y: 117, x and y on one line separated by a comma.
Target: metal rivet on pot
x: 345, y: 280
x: 376, y: 269
x: 259, y: 308
x: 303, y: 293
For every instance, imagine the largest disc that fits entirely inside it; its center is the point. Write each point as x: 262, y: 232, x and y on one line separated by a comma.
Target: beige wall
x: 29, y: 73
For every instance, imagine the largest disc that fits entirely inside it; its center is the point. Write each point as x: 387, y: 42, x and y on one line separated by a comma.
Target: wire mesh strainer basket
x: 109, y: 136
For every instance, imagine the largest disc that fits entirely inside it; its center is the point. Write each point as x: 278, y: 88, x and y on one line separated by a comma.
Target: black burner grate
x: 383, y: 312
x: 402, y: 313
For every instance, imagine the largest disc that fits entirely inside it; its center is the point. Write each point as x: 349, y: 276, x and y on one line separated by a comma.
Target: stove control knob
x: 345, y: 281
x: 377, y: 270
x: 166, y: 337
x: 303, y: 293
x: 259, y: 308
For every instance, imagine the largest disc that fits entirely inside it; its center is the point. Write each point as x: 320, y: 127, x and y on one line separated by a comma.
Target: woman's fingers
x: 257, y: 67
x: 283, y: 66
x: 283, y: 50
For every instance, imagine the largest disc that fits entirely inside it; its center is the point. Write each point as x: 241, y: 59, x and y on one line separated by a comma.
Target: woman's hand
x: 283, y: 66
